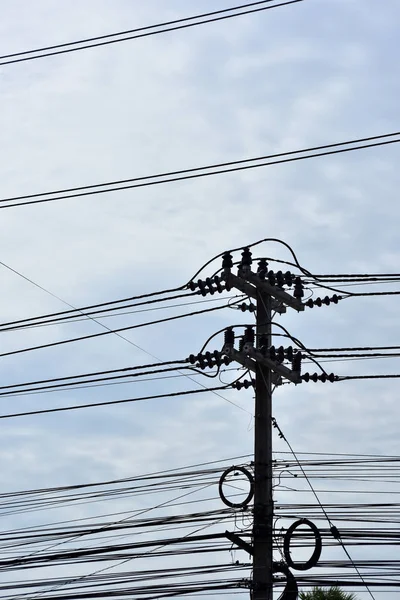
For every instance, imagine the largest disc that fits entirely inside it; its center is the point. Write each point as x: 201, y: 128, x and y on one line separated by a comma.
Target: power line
x: 108, y: 330
x: 63, y: 317
x: 333, y: 529
x: 114, y: 331
x: 112, y: 402
x: 140, y: 32
x: 194, y: 173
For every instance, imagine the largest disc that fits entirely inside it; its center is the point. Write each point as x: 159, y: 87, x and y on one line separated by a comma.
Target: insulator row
x: 320, y: 301
x: 315, y: 377
x: 209, y: 359
x: 250, y: 307
x: 206, y: 287
x: 278, y: 279
x: 238, y: 385
x: 280, y: 354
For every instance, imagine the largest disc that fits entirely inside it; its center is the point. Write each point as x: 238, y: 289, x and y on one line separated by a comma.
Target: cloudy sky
x: 316, y: 72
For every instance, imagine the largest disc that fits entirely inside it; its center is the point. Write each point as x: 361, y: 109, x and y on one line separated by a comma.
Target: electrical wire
x: 112, y: 402
x: 193, y: 173
x: 139, y: 32
x: 112, y: 331
x: 333, y: 529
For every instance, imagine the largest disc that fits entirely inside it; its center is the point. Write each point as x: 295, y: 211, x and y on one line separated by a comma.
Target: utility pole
x: 269, y: 292
x: 266, y: 288
x: 263, y: 502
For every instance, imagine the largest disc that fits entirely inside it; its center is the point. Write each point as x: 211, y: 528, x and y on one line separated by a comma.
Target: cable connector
x: 320, y: 301
x: 335, y: 532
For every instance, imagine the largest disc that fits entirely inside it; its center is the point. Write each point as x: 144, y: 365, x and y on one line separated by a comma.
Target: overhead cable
x: 141, y: 32
x: 194, y: 173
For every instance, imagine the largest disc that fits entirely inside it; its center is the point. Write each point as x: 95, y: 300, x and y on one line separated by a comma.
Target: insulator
x: 262, y: 268
x: 296, y: 363
x: 272, y: 353
x: 202, y: 287
x: 246, y: 258
x: 249, y: 336
x: 319, y: 302
x: 209, y: 360
x: 192, y: 359
x: 315, y: 377
x: 271, y: 278
x: 219, y: 359
x: 241, y: 344
x: 289, y: 353
x: 246, y: 384
x: 227, y: 262
x: 250, y: 307
x: 217, y: 282
x: 289, y: 278
x: 192, y: 285
x: 298, y: 288
x: 201, y: 361
x: 280, y: 279
x: 208, y: 283
x: 280, y: 354
x: 229, y: 337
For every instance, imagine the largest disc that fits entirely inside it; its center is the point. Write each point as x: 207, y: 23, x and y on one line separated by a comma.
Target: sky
x: 312, y: 73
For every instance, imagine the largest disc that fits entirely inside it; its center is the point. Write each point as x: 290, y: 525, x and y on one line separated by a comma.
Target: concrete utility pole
x: 269, y: 293
x: 263, y: 502
x: 257, y: 354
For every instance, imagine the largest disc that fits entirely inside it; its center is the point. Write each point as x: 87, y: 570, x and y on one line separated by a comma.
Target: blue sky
x: 317, y: 72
